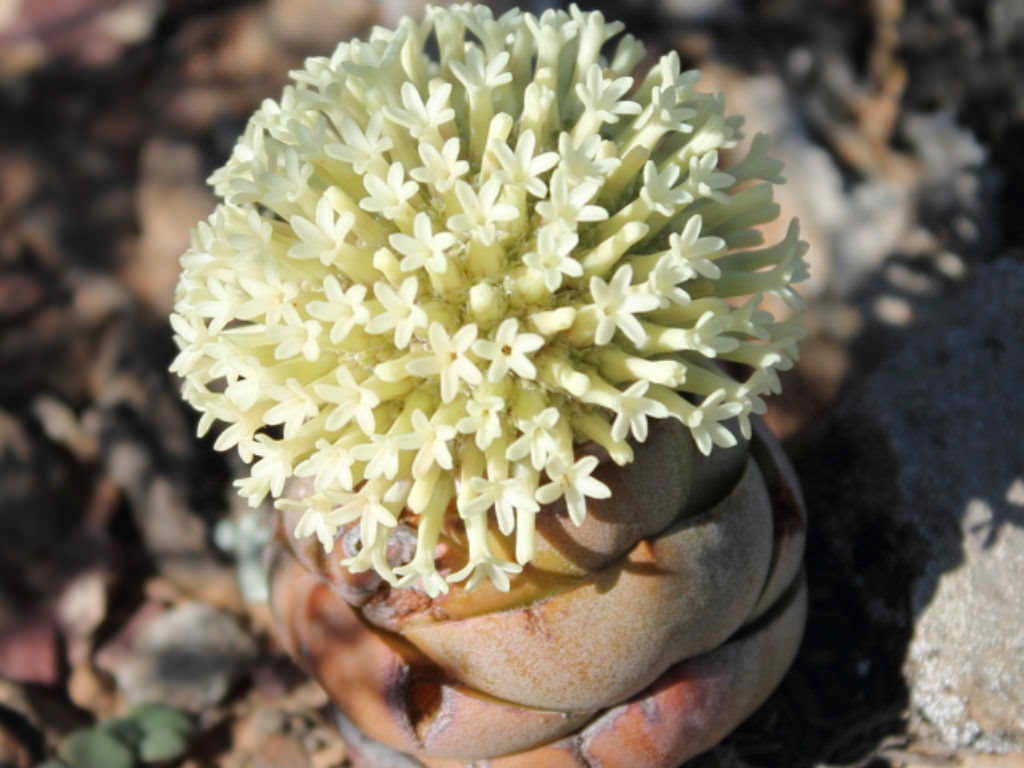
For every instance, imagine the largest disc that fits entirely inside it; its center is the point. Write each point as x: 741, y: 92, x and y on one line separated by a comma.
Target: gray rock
x: 957, y: 195
x: 851, y: 227
x: 944, y: 146
x: 187, y: 658
x: 701, y: 10
x: 920, y: 481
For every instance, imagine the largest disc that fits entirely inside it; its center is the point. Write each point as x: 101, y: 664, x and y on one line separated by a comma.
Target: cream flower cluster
x: 430, y: 278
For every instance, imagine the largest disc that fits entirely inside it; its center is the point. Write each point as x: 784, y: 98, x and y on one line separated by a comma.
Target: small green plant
x: 245, y: 539
x: 151, y: 734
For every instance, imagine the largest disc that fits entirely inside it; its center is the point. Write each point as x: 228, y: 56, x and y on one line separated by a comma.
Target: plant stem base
x: 645, y: 663
x: 688, y: 710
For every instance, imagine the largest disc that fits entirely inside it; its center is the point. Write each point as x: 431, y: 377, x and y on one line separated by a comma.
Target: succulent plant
x: 245, y: 539
x: 151, y: 734
x: 477, y: 322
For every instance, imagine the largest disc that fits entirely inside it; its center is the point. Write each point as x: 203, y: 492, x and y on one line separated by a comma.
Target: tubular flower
x: 431, y: 280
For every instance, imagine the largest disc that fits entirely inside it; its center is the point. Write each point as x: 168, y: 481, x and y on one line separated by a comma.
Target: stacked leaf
x: 638, y: 638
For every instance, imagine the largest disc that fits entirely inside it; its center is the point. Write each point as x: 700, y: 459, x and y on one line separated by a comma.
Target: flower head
x: 430, y: 277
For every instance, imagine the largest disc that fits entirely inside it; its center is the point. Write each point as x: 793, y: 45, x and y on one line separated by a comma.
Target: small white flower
x: 552, y: 256
x: 717, y: 132
x: 667, y: 108
x: 243, y: 424
x: 705, y: 424
x: 420, y: 118
x: 575, y: 484
x: 617, y: 306
x: 706, y: 335
x: 318, y: 73
x: 521, y: 167
x: 483, y: 567
x: 293, y: 340
x: 441, y: 169
x: 250, y: 236
x: 476, y: 73
x: 536, y: 438
x: 434, y: 439
x: 324, y: 237
x: 193, y: 338
x: 220, y: 302
x: 748, y: 394
x: 505, y: 496
x: 286, y: 180
x: 493, y: 33
x: 253, y: 489
x: 294, y: 406
x: 381, y: 454
x: 658, y: 192
x: 343, y: 309
x: 480, y: 211
x: 425, y: 249
x: 388, y: 195
x: 368, y: 506
x: 690, y: 251
x: 670, y: 69
x: 330, y: 465
x: 551, y: 32
x: 231, y: 363
x: 600, y: 96
x: 353, y: 401
x: 509, y: 350
x: 569, y: 207
x: 314, y: 522
x: 307, y: 134
x: 377, y: 62
x: 401, y: 312
x: 483, y: 419
x: 665, y: 278
x: 582, y: 163
x: 362, y: 150
x: 448, y: 361
x: 275, y: 462
x: 321, y: 517
x: 633, y: 411
x: 705, y: 180
x: 270, y: 298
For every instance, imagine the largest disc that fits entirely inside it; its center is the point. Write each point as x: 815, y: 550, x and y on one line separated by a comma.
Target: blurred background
x: 129, y: 570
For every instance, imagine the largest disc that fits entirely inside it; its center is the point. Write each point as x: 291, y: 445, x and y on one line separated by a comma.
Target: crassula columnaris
x: 432, y: 276
x: 485, y: 317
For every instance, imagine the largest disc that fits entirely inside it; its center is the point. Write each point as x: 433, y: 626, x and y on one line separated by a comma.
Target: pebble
x: 187, y: 658
x: 171, y: 199
x: 28, y: 652
x: 320, y: 24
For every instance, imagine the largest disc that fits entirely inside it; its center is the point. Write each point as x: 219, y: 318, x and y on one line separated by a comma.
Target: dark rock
x: 13, y: 752
x: 919, y: 484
